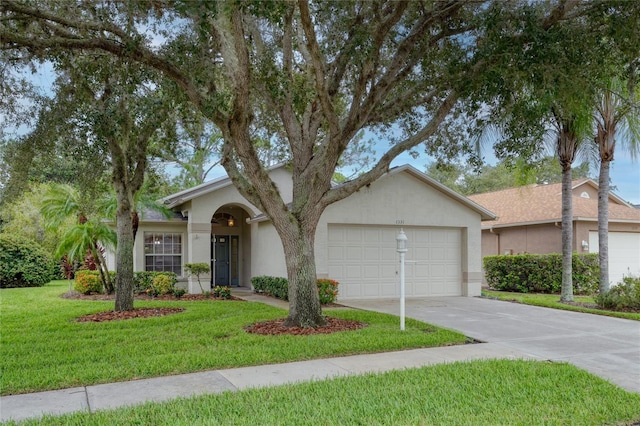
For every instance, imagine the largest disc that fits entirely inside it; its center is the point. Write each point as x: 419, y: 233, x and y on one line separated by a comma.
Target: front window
x: 163, y: 252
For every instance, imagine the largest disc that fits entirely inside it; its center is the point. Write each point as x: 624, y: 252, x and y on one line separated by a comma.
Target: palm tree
x: 89, y: 237
x: 616, y: 114
x: 85, y: 236
x: 569, y: 138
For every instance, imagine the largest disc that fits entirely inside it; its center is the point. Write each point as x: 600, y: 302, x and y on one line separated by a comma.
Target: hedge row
x: 24, y: 263
x: 279, y: 287
x: 152, y: 283
x: 541, y: 273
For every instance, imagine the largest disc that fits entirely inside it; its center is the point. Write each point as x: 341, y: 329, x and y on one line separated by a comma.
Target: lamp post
x: 401, y: 247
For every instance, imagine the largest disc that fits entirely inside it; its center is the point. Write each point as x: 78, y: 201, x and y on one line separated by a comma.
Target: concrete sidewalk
x: 114, y: 395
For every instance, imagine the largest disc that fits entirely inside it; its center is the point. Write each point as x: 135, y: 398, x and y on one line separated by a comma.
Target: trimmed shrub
x: 161, y: 284
x: 327, y: 290
x: 278, y: 287
x: 540, y: 273
x: 222, y: 292
x: 625, y: 296
x: 88, y: 282
x: 24, y: 263
x: 143, y: 281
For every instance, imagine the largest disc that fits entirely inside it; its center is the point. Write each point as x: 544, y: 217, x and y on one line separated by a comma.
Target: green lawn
x: 553, y: 301
x: 42, y: 347
x: 476, y: 393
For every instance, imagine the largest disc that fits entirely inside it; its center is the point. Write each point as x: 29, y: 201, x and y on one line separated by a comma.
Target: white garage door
x: 364, y: 260
x: 624, y: 253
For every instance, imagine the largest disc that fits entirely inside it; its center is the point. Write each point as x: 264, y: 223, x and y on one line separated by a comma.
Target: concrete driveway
x: 607, y: 347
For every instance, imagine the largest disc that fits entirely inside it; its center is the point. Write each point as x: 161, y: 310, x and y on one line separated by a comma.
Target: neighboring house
x: 355, y: 240
x: 530, y: 218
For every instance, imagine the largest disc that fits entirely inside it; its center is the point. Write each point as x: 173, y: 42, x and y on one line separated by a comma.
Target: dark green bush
x: 88, y: 282
x: 540, y: 273
x: 24, y: 263
x: 279, y: 287
x: 625, y: 296
x: 275, y: 286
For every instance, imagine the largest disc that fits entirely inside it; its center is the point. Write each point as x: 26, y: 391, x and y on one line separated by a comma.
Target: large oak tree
x: 316, y: 74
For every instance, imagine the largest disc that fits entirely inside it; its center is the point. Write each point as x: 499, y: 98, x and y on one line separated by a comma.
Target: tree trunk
x: 104, y: 275
x: 304, y: 302
x: 566, y: 294
x: 603, y: 224
x: 124, y: 251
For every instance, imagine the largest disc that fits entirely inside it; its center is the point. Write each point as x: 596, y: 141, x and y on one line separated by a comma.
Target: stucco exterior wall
x: 403, y: 200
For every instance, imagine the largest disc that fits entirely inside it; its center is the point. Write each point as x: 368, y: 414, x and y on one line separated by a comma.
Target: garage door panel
x: 624, y: 253
x: 365, y: 261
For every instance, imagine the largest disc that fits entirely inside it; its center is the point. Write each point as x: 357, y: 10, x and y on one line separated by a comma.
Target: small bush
x: 222, y: 292
x: 278, y: 287
x: 88, y: 282
x: 161, y: 284
x: 540, y: 273
x: 143, y: 281
x: 179, y: 292
x: 327, y: 290
x: 625, y: 296
x: 24, y: 263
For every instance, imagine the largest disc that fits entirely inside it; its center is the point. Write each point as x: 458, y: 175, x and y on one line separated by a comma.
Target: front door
x: 225, y: 260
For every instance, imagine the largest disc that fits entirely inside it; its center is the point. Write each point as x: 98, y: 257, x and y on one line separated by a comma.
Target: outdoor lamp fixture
x: 585, y: 245
x: 230, y: 222
x: 401, y: 244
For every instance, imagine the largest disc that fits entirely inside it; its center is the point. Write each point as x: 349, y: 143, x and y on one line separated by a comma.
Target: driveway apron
x: 605, y: 346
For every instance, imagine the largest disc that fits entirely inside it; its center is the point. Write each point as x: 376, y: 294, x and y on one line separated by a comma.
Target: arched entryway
x: 230, y: 247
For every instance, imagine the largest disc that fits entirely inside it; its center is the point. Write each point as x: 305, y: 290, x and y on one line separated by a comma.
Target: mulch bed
x: 135, y: 313
x: 275, y: 327
x: 272, y: 328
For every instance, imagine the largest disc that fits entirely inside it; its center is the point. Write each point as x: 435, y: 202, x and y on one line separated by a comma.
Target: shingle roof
x: 543, y: 203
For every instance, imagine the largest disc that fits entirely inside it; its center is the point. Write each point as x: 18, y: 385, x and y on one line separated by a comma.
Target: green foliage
x: 88, y: 282
x: 327, y: 290
x: 222, y: 292
x: 540, y: 273
x: 505, y: 174
x: 625, y: 296
x: 144, y: 281
x: 23, y: 263
x: 278, y: 287
x: 179, y: 292
x: 197, y: 269
x: 161, y: 284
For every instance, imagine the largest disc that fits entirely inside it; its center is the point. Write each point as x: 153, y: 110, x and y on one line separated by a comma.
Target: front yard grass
x: 553, y: 301
x: 474, y: 393
x: 42, y: 347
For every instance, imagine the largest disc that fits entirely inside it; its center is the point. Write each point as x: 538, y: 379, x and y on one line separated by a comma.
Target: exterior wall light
x: 230, y: 222
x: 585, y: 245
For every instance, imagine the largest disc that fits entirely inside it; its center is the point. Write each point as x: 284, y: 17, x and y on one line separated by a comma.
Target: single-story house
x: 530, y: 221
x: 355, y: 241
